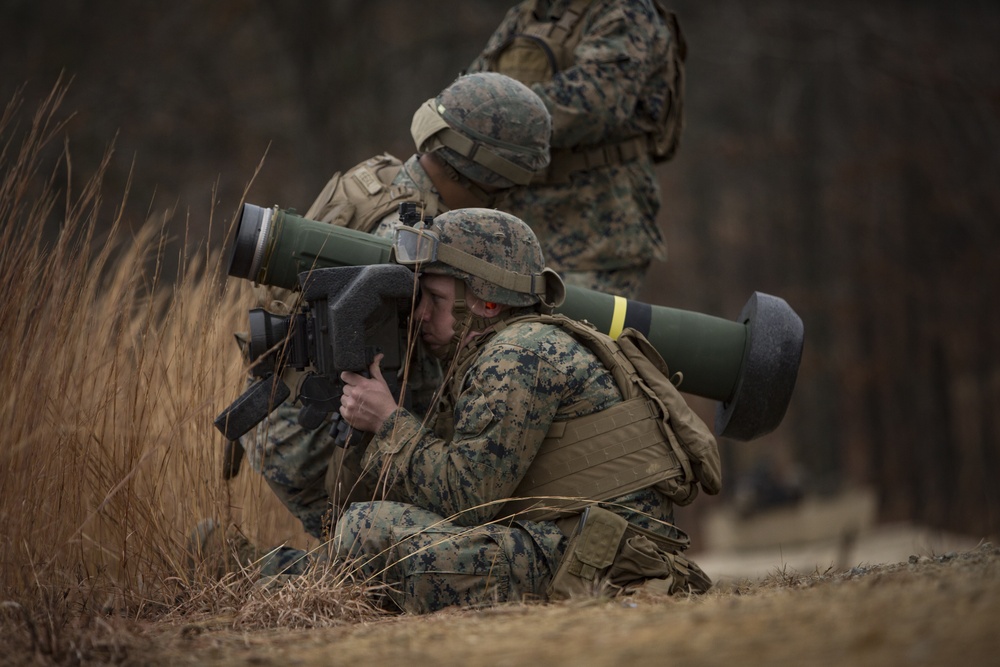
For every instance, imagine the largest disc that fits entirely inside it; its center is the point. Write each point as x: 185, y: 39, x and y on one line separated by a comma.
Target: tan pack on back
x: 544, y: 48
x: 364, y: 195
x: 690, y: 458
x: 644, y: 370
x: 358, y: 199
x: 693, y: 435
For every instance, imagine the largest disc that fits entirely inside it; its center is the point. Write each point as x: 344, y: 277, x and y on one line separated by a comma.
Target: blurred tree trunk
x: 845, y: 157
x: 841, y: 155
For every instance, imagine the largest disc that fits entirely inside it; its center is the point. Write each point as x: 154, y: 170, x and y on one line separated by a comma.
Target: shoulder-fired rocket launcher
x: 748, y: 365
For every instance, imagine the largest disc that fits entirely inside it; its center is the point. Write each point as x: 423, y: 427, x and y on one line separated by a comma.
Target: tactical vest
x: 650, y: 438
x: 358, y: 198
x: 545, y: 47
x: 363, y: 195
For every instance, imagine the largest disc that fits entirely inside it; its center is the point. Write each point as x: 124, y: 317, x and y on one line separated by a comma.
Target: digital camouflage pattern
x: 460, y: 471
x: 217, y: 551
x: 429, y: 526
x: 502, y: 114
x: 598, y: 231
x: 294, y: 460
x: 625, y: 282
x: 496, y: 237
x: 429, y: 563
x: 432, y: 536
x: 604, y: 219
x: 485, y: 106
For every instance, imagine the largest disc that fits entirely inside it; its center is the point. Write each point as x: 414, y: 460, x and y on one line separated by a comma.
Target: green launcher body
x: 748, y: 365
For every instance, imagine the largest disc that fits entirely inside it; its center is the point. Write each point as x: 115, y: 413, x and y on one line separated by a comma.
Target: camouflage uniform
x: 434, y: 539
x: 430, y: 518
x: 598, y: 226
x: 509, y: 130
x: 293, y: 459
x: 439, y: 535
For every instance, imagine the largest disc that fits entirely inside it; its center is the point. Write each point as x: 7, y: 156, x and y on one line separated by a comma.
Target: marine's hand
x: 367, y: 402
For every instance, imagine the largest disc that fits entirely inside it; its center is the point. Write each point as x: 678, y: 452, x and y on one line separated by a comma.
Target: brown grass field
x: 937, y: 611
x: 112, y: 374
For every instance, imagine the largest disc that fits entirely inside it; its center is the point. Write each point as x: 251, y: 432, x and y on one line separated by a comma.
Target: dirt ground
x: 926, y: 610
x: 819, y: 584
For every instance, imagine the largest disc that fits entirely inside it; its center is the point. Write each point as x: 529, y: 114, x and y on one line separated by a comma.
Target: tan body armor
x: 363, y: 195
x: 651, y: 438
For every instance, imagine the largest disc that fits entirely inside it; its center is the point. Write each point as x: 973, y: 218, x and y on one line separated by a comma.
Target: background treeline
x: 842, y: 155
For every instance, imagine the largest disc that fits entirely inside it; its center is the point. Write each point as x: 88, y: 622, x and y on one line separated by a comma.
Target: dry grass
x: 930, y: 611
x: 112, y: 374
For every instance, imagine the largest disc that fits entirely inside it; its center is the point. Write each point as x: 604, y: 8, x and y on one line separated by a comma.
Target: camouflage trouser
x: 626, y: 282
x: 429, y: 563
x: 294, y: 462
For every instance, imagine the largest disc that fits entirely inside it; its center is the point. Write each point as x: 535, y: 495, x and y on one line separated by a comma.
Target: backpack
x: 363, y: 195
x: 652, y: 414
x: 543, y: 48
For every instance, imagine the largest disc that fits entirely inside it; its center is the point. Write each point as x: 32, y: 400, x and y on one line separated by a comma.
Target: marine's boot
x: 218, y: 552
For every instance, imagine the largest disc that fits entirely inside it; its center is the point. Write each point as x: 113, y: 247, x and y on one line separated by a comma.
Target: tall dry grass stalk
x: 111, y: 375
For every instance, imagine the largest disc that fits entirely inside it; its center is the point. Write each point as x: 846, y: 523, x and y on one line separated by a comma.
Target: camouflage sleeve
x: 501, y: 418
x: 508, y: 27
x: 595, y: 99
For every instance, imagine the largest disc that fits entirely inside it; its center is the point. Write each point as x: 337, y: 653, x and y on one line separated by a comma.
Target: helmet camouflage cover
x: 501, y: 239
x: 503, y: 129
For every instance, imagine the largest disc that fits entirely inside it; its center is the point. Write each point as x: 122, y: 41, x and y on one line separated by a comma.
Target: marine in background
x: 611, y: 73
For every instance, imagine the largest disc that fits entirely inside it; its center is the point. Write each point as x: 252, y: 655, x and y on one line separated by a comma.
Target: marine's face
x: 434, y: 312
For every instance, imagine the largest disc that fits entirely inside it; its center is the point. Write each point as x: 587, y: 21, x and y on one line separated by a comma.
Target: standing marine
x: 611, y: 73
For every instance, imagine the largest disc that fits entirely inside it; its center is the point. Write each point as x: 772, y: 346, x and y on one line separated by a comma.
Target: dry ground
x: 928, y: 610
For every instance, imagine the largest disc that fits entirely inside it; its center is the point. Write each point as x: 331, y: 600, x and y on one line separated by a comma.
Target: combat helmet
x: 495, y: 253
x: 490, y: 128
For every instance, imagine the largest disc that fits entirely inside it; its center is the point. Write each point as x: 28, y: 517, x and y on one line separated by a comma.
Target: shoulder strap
x: 665, y: 141
x: 697, y: 441
x: 658, y: 440
x: 600, y: 344
x: 561, y: 30
x: 360, y: 197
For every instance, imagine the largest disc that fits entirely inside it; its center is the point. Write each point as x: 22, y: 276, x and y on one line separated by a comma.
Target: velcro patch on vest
x: 367, y: 180
x: 598, y: 542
